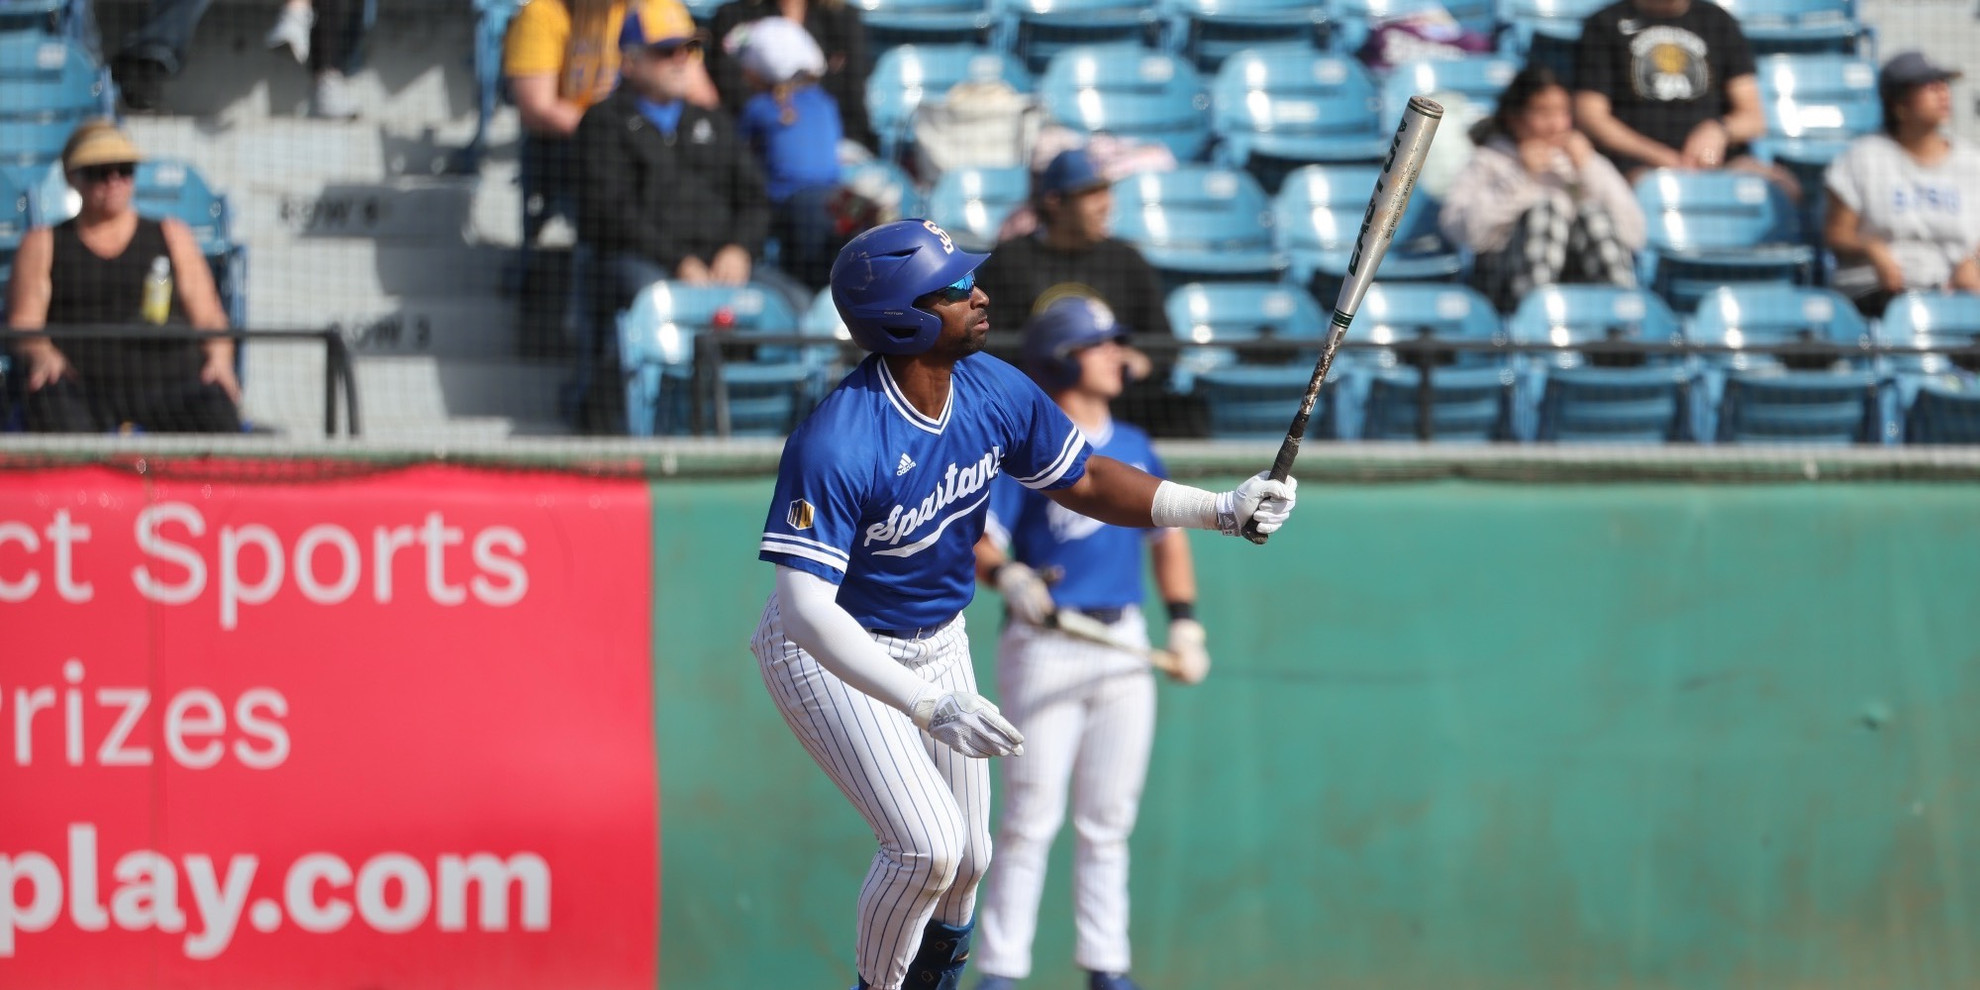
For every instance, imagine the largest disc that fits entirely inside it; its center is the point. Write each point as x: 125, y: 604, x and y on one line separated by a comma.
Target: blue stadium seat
x: 1799, y: 25
x: 1715, y: 228
x: 926, y: 22
x: 491, y: 26
x: 1248, y: 393
x: 1572, y: 396
x: 890, y: 180
x: 1278, y: 108
x: 1353, y: 18
x: 1937, y: 393
x: 1381, y: 395
x: 1198, y: 223
x: 1528, y: 21
x: 1209, y: 31
x: 168, y: 188
x: 1129, y: 92
x: 48, y: 85
x: 657, y: 338
x: 1479, y: 79
x: 1037, y: 31
x: 821, y: 319
x: 971, y: 203
x: 15, y: 217
x: 1764, y: 399
x: 907, y: 75
x: 1815, y: 106
x: 1317, y: 215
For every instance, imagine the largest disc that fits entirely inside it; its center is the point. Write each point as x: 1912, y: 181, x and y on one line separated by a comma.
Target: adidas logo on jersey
x: 957, y: 484
x: 906, y: 465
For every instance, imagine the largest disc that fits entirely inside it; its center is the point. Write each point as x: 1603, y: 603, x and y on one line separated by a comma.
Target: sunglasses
x: 103, y: 173
x: 674, y: 49
x: 958, y: 290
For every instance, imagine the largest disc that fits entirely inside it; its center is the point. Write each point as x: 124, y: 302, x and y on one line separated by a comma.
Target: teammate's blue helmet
x: 1054, y: 336
x: 879, y: 275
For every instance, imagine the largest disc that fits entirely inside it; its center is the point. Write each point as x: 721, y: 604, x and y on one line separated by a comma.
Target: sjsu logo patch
x: 948, y: 246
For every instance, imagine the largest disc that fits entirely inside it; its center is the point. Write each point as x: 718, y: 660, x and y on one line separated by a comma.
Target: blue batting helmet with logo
x: 1054, y: 336
x: 879, y: 275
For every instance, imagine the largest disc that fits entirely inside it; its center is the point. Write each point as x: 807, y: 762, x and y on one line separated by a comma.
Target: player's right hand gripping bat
x: 1378, y: 228
x: 1094, y: 631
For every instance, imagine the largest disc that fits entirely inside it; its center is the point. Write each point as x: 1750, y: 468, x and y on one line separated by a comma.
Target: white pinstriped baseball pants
x: 1088, y: 716
x: 928, y: 805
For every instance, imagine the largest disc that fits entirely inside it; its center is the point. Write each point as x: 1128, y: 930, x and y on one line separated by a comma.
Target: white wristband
x: 1183, y: 506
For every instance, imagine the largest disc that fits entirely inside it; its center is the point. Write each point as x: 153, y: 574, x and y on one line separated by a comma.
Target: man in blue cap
x: 1073, y: 254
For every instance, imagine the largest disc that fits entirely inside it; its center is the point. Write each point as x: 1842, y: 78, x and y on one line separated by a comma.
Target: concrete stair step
x: 417, y: 389
x: 332, y: 277
x: 476, y: 328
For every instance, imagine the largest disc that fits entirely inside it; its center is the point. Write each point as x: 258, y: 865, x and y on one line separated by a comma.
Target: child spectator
x: 1537, y: 204
x: 793, y: 126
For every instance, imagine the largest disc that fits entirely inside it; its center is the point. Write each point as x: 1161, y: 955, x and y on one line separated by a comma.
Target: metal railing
x: 338, y: 379
x: 716, y: 348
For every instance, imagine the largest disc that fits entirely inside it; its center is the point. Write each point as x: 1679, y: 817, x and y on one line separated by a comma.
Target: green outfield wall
x: 1458, y: 735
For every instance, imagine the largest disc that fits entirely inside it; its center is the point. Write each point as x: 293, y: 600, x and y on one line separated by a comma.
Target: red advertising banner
x: 389, y: 731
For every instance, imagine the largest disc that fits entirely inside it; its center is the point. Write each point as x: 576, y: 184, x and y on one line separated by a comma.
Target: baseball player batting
x: 880, y: 499
x: 1087, y: 710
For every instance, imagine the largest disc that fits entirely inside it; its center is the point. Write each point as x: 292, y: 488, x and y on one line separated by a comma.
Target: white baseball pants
x: 1088, y: 717
x: 928, y: 805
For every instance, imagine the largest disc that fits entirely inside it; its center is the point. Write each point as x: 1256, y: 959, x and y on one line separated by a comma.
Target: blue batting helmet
x: 1054, y: 336
x: 879, y: 275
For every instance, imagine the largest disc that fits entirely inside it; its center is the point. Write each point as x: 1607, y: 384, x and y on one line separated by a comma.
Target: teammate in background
x: 879, y: 502
x: 1087, y: 711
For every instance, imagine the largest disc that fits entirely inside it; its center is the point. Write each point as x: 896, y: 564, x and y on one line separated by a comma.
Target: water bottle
x: 158, y: 291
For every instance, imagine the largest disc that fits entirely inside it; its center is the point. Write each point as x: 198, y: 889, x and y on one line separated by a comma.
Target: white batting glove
x: 1186, y: 641
x: 1025, y: 592
x: 967, y: 723
x: 1259, y: 499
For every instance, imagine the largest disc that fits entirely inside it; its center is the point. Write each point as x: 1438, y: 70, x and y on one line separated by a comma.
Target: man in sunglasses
x: 880, y: 499
x: 666, y: 190
x: 109, y: 267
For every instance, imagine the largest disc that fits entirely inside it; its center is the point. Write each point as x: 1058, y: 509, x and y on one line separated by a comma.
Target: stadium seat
x: 890, y: 23
x: 1248, y: 392
x: 1714, y: 228
x: 887, y: 181
x: 48, y: 85
x: 1278, y: 108
x: 971, y: 203
x: 657, y: 337
x: 1767, y: 399
x: 1206, y: 32
x: 1938, y: 393
x: 1198, y: 223
x: 1037, y: 31
x: 1479, y: 79
x: 491, y: 26
x: 822, y: 319
x: 1129, y: 92
x: 1353, y: 19
x: 1527, y: 21
x: 1799, y: 25
x: 168, y: 188
x: 1382, y: 396
x: 1815, y: 106
x: 1572, y: 396
x: 1317, y: 216
x: 905, y: 76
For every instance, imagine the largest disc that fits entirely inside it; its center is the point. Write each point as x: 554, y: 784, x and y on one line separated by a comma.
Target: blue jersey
x: 888, y: 503
x: 1100, y: 564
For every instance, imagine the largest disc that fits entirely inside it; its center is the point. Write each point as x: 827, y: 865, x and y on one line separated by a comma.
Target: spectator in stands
x: 323, y: 35
x: 155, y: 51
x: 1904, y: 205
x: 561, y: 57
x: 793, y: 126
x: 1536, y: 203
x: 666, y: 190
x: 834, y: 24
x: 1073, y: 253
x: 1670, y: 84
x: 107, y: 267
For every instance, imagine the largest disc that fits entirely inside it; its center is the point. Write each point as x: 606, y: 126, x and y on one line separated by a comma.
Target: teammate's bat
x: 1094, y: 631
x: 1378, y: 228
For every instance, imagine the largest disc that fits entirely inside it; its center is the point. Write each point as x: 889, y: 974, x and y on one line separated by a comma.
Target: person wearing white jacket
x: 1537, y: 204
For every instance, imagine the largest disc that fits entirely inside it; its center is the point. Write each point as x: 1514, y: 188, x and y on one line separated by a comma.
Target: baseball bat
x: 1378, y: 228
x: 1094, y: 631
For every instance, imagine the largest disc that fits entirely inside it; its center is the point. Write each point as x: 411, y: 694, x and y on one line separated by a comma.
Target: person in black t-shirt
x: 1669, y: 84
x: 1073, y: 253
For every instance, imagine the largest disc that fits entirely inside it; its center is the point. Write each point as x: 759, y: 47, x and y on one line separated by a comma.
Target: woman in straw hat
x: 109, y: 266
